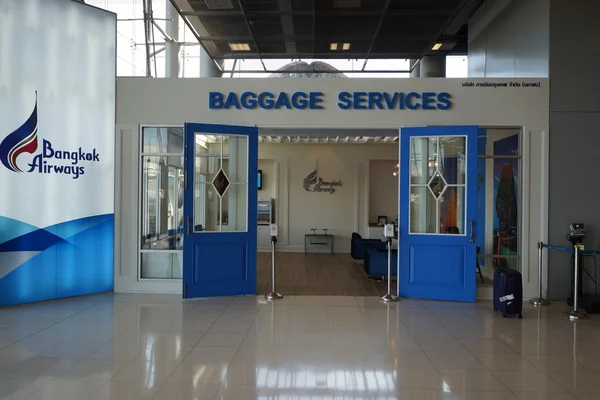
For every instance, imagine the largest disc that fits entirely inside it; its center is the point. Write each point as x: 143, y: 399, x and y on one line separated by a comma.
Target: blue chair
x: 376, y: 261
x: 358, y: 246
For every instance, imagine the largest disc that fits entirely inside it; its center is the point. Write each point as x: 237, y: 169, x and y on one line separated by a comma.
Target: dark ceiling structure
x: 326, y: 29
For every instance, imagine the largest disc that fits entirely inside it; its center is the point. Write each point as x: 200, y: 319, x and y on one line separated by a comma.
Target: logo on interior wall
x: 312, y: 183
x: 49, y: 160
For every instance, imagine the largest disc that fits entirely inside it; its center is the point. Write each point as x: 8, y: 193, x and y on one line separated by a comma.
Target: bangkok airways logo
x: 22, y: 140
x: 49, y: 160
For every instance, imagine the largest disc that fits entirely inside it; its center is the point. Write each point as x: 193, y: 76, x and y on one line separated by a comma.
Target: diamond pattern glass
x: 221, y: 182
x: 437, y: 185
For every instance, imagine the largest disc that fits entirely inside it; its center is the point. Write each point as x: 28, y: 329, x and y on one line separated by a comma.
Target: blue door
x: 219, y: 249
x: 438, y: 208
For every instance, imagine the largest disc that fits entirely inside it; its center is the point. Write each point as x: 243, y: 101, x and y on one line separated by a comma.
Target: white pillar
x: 208, y: 68
x: 172, y: 47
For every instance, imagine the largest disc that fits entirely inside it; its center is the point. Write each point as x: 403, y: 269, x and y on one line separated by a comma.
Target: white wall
x: 383, y: 189
x: 173, y: 101
x: 339, y: 212
x: 509, y: 38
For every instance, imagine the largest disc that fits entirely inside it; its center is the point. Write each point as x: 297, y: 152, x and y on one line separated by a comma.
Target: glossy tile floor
x: 133, y: 347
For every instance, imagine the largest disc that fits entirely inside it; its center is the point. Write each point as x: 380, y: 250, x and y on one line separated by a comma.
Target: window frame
x: 141, y: 155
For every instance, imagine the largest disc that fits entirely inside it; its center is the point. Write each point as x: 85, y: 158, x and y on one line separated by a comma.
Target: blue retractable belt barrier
x: 590, y: 252
x: 559, y: 248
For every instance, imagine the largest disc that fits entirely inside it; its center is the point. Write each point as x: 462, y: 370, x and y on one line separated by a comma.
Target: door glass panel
x: 237, y: 163
x: 423, y: 156
x: 235, y: 208
x: 221, y: 183
x: 452, y: 206
x: 422, y: 210
x: 438, y: 203
x: 451, y: 160
x: 206, y: 207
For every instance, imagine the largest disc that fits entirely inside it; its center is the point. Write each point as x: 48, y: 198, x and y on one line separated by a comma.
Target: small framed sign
x: 381, y: 220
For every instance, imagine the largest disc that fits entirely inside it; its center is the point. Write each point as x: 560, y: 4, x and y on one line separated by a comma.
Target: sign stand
x: 388, y: 232
x: 576, y: 314
x: 540, y: 301
x: 273, y: 295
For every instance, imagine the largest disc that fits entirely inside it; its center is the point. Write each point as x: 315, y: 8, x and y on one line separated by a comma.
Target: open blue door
x: 438, y: 210
x: 219, y: 250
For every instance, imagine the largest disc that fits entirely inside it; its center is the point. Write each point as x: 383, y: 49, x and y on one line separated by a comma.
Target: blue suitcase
x: 508, y: 292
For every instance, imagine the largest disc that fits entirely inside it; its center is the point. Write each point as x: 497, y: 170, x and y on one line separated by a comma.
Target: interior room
x: 330, y: 191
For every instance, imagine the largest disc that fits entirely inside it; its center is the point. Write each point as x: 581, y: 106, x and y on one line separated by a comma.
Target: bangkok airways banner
x: 57, y: 121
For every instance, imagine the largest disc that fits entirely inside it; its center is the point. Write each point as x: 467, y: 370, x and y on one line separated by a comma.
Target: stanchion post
x: 389, y: 233
x: 273, y: 295
x: 540, y: 301
x: 575, y: 314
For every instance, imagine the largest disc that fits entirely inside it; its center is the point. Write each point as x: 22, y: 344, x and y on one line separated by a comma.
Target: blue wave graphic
x: 67, y: 229
x: 38, y: 240
x: 11, y: 228
x: 76, y: 265
x: 22, y: 140
x: 19, y: 236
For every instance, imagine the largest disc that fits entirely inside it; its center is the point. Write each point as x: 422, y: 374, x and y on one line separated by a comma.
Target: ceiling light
x: 346, y: 46
x: 437, y: 46
x: 333, y: 46
x: 239, y: 46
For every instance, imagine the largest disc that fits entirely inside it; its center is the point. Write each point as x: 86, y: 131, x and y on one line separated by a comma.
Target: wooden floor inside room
x: 316, y: 274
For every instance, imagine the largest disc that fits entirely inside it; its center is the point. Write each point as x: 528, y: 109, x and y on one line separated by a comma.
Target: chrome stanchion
x: 540, y: 301
x: 576, y: 314
x: 273, y: 295
x: 389, y: 297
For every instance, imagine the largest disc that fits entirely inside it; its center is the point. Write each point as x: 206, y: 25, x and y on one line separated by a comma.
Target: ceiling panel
x: 305, y: 28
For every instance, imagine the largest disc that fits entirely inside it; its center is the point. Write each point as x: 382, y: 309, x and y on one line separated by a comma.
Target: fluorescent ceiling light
x: 333, y: 46
x: 346, y: 46
x: 239, y: 46
x: 437, y: 46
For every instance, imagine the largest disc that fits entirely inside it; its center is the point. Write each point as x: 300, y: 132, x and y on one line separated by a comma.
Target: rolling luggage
x: 508, y: 292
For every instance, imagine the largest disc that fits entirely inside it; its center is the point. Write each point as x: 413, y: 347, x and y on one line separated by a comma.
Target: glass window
x: 162, y: 180
x: 438, y: 183
x: 498, y: 189
x: 220, y: 183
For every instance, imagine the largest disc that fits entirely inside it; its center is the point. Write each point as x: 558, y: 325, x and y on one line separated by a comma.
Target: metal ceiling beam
x: 358, y: 71
x: 314, y: 28
x: 329, y: 55
x: 379, y: 25
x: 340, y: 13
x: 271, y: 38
x: 251, y: 34
x: 446, y: 26
x: 287, y: 24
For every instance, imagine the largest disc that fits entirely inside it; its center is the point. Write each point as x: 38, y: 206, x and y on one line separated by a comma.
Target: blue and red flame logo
x: 23, y: 140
